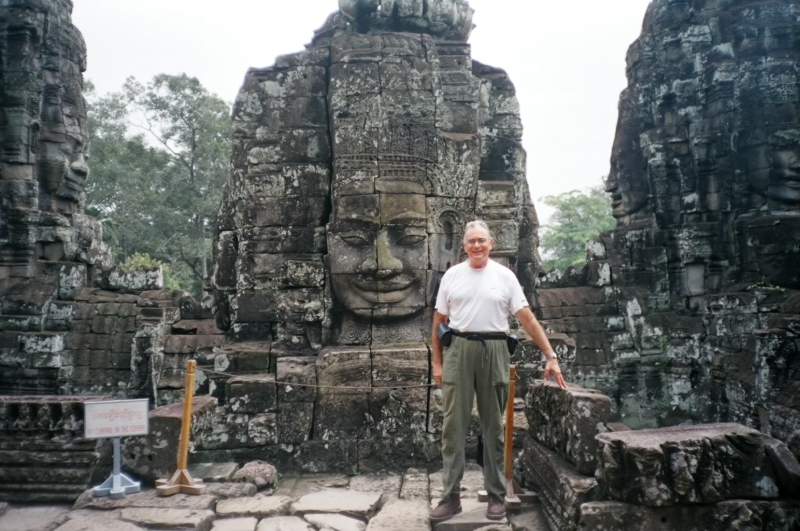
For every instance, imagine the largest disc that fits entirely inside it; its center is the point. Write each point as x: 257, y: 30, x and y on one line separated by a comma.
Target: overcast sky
x: 567, y: 59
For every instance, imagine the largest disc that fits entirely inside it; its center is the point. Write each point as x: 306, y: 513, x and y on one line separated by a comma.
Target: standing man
x: 477, y: 297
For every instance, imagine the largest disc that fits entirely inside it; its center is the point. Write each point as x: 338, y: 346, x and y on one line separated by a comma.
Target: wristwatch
x: 551, y: 356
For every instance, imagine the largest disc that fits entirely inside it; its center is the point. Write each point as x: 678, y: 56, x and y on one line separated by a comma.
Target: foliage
x: 579, y: 217
x: 159, y: 163
x: 764, y: 286
x: 139, y: 260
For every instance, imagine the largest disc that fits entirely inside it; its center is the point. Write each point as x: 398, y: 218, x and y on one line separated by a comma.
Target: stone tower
x: 689, y: 308
x: 355, y: 166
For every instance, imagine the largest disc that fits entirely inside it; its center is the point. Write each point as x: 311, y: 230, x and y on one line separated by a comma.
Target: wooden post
x: 512, y: 500
x: 181, y: 480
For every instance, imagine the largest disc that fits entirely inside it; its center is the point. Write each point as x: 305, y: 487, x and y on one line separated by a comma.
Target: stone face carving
x: 356, y: 165
x: 45, y: 141
x: 693, y: 293
x: 446, y: 19
x: 708, y: 123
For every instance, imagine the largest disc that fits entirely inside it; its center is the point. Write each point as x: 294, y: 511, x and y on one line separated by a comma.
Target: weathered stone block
x: 787, y: 469
x: 169, y: 518
x: 295, y: 420
x: 686, y: 464
x: 252, y: 394
x: 300, y: 304
x: 263, y: 429
x: 228, y: 431
x: 567, y: 421
x: 562, y: 490
x: 339, y: 501
x: 300, y: 371
x: 723, y: 516
x: 153, y: 457
x: 399, y: 515
x: 299, y: 80
x: 244, y: 357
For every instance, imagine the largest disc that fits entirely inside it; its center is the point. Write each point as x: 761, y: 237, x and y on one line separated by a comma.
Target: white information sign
x: 116, y: 418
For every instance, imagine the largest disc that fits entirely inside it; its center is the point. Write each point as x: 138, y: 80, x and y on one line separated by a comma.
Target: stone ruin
x: 689, y: 311
x: 356, y: 164
x: 592, y: 473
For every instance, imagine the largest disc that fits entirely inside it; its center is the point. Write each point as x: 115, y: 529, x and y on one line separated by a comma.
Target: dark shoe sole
x: 497, y: 517
x: 444, y: 519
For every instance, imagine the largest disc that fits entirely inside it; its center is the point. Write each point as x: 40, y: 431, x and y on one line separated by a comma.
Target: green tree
x: 159, y: 163
x: 578, y: 218
x: 139, y: 260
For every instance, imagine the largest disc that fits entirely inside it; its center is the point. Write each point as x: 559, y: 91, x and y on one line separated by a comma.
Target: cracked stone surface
x: 472, y: 517
x: 361, y: 504
x: 235, y: 524
x: 328, y: 509
x: 258, y: 506
x: 169, y: 518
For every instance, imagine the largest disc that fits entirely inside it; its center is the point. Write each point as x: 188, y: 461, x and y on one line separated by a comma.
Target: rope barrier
x: 315, y: 386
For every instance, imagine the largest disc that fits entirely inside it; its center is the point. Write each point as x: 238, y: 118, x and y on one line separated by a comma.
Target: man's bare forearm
x: 535, y: 330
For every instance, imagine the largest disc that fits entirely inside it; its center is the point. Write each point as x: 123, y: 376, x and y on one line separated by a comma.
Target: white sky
x: 567, y: 59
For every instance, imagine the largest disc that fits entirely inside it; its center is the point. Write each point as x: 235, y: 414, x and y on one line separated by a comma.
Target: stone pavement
x: 372, y: 502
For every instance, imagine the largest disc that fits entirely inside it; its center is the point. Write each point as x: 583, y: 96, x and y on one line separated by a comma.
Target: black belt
x: 480, y: 336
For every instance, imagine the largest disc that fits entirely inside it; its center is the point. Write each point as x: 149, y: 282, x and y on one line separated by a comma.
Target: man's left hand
x: 551, y: 367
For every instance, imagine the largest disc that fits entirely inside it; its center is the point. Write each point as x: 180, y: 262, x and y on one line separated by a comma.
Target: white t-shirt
x: 480, y: 300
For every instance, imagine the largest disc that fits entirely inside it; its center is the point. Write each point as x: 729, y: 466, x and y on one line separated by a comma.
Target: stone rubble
x: 259, y: 473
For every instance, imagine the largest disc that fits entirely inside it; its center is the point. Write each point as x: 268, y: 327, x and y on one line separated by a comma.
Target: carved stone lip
x: 378, y: 291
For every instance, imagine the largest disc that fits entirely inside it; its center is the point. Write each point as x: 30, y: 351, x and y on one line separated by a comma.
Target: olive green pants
x: 471, y: 368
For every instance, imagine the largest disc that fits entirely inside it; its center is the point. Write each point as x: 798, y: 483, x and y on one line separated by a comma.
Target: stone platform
x: 372, y: 502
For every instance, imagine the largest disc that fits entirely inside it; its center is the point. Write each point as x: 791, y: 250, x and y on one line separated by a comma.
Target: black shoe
x: 446, y: 508
x: 496, y: 509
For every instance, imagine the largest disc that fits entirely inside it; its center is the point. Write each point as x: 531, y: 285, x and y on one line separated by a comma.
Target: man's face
x: 379, y: 270
x: 478, y: 244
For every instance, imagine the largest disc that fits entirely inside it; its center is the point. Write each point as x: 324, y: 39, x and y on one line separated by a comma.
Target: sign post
x: 116, y: 419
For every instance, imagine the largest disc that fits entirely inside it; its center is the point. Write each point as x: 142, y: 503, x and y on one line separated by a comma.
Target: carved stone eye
x: 410, y: 240
x: 355, y: 241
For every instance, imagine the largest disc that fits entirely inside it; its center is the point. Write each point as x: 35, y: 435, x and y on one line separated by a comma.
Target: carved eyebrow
x: 406, y: 217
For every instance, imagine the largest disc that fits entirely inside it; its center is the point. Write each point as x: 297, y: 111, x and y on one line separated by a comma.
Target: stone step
x: 472, y: 518
x: 169, y: 518
x: 340, y: 501
x: 256, y: 506
x: 32, y: 518
x: 402, y: 515
x: 235, y: 524
x: 561, y: 488
x: 567, y: 421
x: 701, y: 464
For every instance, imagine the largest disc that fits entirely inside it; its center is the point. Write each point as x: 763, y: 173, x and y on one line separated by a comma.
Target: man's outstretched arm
x: 535, y: 330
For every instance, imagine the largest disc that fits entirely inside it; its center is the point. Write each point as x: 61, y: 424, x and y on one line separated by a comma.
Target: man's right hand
x: 437, y: 373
